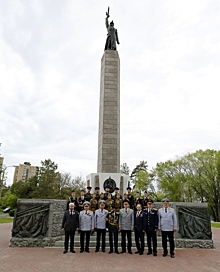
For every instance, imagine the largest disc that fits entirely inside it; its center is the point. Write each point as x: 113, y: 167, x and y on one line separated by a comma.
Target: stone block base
x: 34, y: 242
x: 191, y: 243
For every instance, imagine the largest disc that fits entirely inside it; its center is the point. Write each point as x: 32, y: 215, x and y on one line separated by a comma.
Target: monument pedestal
x: 112, y: 179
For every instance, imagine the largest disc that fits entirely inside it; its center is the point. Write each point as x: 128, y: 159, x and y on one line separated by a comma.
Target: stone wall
x: 195, y: 224
x: 50, y: 212
x: 37, y: 222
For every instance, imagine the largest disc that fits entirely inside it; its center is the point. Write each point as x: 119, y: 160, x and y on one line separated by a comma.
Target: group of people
x: 136, y: 215
x: 110, y: 199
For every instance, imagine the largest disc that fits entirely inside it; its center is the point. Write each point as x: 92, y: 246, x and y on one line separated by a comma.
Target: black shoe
x: 137, y: 252
x: 141, y: 253
x: 72, y: 251
x: 155, y: 254
x: 87, y: 250
x: 122, y: 252
x: 81, y: 251
x: 130, y: 252
x: 110, y: 252
x: 165, y: 254
x: 97, y: 250
x: 172, y: 255
x: 116, y: 252
x: 103, y: 251
x: 149, y: 253
x: 65, y: 251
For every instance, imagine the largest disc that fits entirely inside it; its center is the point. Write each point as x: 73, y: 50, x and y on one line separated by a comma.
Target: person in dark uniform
x: 73, y: 199
x: 97, y: 192
x: 145, y: 200
x: 151, y: 226
x: 101, y: 198
x: 107, y: 192
x: 116, y: 190
x: 137, y: 201
x: 138, y: 229
x: 88, y: 194
x: 113, y: 220
x: 94, y: 203
x: 118, y: 203
x: 109, y: 202
x: 130, y: 197
x: 70, y: 224
x: 81, y: 199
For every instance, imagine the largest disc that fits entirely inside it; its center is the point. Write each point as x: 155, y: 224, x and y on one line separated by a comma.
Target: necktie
x: 166, y: 210
x: 71, y: 213
x: 86, y: 211
x: 101, y: 211
x: 126, y: 211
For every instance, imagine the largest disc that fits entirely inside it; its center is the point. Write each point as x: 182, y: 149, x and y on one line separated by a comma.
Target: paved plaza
x: 53, y: 259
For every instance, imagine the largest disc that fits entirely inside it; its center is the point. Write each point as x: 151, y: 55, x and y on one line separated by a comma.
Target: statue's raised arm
x: 106, y: 19
x: 112, y: 35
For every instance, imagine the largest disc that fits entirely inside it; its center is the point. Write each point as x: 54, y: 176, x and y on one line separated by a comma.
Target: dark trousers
x: 82, y: 238
x: 168, y: 234
x: 152, y: 235
x: 69, y: 235
x: 139, y: 240
x: 115, y: 235
x: 123, y: 240
x: 100, y: 232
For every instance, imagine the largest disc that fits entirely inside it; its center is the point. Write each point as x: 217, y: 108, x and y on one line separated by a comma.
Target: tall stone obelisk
x: 108, y: 166
x: 109, y: 114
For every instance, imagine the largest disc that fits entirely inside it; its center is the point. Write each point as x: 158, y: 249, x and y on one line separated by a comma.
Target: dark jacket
x: 70, y: 222
x: 150, y: 220
x: 138, y: 221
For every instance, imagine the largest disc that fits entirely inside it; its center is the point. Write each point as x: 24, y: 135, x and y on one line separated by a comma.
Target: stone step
x: 92, y: 243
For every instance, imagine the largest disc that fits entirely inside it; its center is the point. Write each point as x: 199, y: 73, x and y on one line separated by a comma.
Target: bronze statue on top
x: 112, y: 35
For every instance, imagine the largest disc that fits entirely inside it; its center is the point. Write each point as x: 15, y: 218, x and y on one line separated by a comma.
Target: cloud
x: 50, y: 62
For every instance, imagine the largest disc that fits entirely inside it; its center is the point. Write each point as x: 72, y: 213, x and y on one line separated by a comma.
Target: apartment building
x: 24, y: 172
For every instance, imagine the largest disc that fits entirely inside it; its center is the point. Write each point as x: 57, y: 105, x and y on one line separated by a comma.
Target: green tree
x: 9, y: 200
x: 22, y: 189
x: 3, y: 176
x: 193, y: 177
x: 141, y: 166
x: 124, y: 169
x: 46, y: 182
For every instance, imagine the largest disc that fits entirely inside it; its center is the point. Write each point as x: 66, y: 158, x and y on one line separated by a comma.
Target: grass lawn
x: 6, y: 220
x: 215, y: 224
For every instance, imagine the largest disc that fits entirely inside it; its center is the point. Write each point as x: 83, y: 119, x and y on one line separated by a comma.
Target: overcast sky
x: 50, y: 60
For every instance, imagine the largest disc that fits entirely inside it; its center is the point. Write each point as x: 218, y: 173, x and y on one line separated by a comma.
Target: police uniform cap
x: 102, y: 201
x: 107, y: 186
x: 128, y: 188
x: 86, y: 203
x: 150, y: 201
x: 165, y: 199
x: 89, y: 187
x: 97, y: 188
x: 116, y: 188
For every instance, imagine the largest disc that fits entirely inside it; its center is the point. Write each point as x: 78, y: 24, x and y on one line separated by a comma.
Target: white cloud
x: 50, y: 62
